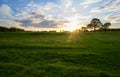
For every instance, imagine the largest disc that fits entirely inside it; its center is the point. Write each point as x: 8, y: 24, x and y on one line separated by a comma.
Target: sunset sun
x: 72, y: 26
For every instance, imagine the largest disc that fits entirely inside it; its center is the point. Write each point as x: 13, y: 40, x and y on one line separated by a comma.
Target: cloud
x: 37, y: 15
x: 6, y: 12
x: 113, y: 18
x: 108, y: 6
x: 25, y: 22
x: 67, y: 3
x: 31, y: 4
x: 43, y: 24
x: 87, y: 2
x: 9, y: 23
x: 47, y: 24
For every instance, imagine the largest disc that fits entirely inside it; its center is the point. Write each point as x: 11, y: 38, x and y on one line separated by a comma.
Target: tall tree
x: 106, y: 26
x: 96, y: 23
x: 89, y: 26
x: 83, y: 28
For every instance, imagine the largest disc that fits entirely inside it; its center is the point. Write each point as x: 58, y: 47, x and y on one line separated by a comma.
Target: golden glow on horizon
x: 71, y: 28
x: 72, y: 25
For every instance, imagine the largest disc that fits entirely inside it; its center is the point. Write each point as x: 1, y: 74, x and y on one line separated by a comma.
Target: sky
x: 40, y: 15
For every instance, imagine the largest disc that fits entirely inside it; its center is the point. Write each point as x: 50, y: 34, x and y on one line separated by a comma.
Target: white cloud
x: 87, y: 2
x: 6, y: 12
x: 67, y: 3
x: 113, y: 18
x: 108, y: 6
x: 96, y: 10
x: 9, y: 23
x: 31, y: 4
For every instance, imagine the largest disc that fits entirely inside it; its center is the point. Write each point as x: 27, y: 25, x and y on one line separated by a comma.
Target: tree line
x: 97, y: 24
x: 12, y: 29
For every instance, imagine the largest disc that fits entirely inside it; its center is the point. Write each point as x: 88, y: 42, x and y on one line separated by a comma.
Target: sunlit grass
x: 83, y: 54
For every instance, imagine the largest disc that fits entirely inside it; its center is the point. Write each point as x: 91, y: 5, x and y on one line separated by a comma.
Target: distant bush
x: 3, y: 29
x: 101, y: 29
x: 113, y: 29
x: 12, y: 29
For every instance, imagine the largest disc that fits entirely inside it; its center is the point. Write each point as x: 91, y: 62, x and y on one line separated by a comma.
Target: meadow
x: 77, y: 54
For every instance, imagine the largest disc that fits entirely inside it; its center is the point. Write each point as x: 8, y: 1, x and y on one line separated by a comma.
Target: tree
x: 84, y: 28
x: 95, y: 23
x: 106, y: 26
x: 4, y: 29
x: 14, y: 29
x: 89, y: 26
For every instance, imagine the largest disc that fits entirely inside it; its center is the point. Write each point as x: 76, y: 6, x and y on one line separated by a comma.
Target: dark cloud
x: 47, y: 24
x: 43, y: 24
x: 50, y: 24
x: 25, y: 22
x: 36, y: 15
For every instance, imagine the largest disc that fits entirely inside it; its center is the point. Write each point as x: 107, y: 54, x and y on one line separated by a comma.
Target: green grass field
x: 83, y: 54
